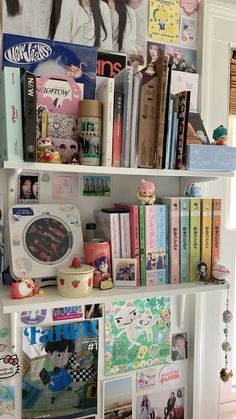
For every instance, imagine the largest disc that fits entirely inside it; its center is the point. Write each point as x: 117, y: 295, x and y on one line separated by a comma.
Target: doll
x: 146, y: 193
x: 220, y: 135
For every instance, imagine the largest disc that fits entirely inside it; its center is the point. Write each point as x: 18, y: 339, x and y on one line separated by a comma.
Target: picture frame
x: 124, y: 272
x: 28, y: 188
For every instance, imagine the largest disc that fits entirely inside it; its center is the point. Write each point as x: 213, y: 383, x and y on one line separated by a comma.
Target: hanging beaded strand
x: 226, y: 374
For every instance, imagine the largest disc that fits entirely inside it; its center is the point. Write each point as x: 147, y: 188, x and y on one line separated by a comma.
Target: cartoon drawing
x: 126, y: 318
x: 145, y: 321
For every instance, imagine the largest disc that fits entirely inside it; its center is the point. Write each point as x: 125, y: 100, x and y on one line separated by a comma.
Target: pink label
x: 66, y: 313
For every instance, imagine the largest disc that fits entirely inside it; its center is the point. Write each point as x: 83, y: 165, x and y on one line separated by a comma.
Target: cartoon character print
x: 165, y: 315
x: 145, y: 321
x: 126, y: 318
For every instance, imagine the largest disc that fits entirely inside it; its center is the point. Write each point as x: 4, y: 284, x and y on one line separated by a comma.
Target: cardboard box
x: 210, y: 157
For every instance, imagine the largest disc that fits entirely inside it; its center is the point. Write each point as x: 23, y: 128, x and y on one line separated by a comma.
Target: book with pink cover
x: 151, y: 245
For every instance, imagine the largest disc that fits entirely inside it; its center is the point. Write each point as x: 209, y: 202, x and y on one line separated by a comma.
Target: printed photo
x: 179, y: 346
x: 117, y: 398
x: 154, y: 51
x: 124, y: 272
x: 182, y: 59
x: 28, y: 188
x: 146, y: 379
x: 188, y: 32
x: 96, y: 185
x: 93, y: 311
x: 163, y: 405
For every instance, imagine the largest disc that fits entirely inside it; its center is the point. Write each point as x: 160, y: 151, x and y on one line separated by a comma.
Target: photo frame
x: 179, y: 346
x: 117, y: 396
x: 124, y: 272
x: 28, y: 188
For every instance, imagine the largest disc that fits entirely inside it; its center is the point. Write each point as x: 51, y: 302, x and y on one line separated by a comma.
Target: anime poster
x: 136, y: 334
x: 182, y: 59
x: 164, y: 21
x: 60, y: 370
x: 166, y: 404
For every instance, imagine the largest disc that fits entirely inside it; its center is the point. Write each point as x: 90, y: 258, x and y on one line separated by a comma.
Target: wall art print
x: 136, y: 334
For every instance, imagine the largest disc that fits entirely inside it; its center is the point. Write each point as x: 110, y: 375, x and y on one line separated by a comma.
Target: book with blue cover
x: 43, y: 57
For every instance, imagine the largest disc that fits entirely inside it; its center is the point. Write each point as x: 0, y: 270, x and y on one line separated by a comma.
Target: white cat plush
x: 125, y: 318
x: 145, y: 321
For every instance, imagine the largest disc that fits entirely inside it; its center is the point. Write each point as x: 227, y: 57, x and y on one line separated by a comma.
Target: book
x: 169, y: 134
x: 151, y: 244
x: 109, y: 63
x: 161, y: 70
x: 184, y: 239
x: 196, y: 133
x: 162, y: 236
x: 134, y: 232
x: 147, y: 118
x: 135, y: 120
x: 108, y: 226
x: 167, y: 115
x: 124, y: 83
x: 216, y: 230
x: 182, y: 81
x: 125, y: 240
x: 117, y: 128
x: 142, y: 245
x: 105, y: 93
x: 206, y: 233
x: 183, y: 110
x: 29, y: 116
x: 48, y: 56
x: 194, y: 237
x: 11, y: 144
x: 174, y: 237
x: 174, y: 127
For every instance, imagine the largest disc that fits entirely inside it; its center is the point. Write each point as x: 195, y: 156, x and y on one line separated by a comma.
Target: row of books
x: 174, y: 241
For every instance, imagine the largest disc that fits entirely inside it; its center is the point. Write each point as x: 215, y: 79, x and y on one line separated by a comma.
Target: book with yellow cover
x: 194, y: 237
x: 206, y: 231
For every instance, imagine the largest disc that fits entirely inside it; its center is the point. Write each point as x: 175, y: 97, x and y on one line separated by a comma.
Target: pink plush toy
x: 24, y: 287
x: 146, y: 193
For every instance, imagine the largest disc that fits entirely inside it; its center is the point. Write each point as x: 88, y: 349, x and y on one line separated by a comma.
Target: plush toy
x: 220, y: 273
x: 24, y: 287
x: 146, y: 193
x: 220, y: 135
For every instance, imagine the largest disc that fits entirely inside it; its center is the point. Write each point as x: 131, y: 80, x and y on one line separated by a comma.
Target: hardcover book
x: 117, y: 128
x: 30, y: 117
x: 183, y: 110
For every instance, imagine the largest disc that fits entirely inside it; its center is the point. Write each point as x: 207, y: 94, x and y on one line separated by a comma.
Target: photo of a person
x: 84, y: 22
x: 179, y: 346
x: 28, y: 187
x: 154, y: 51
x: 170, y: 406
x: 145, y: 407
x: 202, y: 272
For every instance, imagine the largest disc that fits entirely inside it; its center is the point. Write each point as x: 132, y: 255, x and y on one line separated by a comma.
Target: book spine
x: 115, y: 235
x: 134, y: 232
x: 127, y: 115
x: 194, y: 238
x: 162, y: 72
x: 107, y: 98
x: 206, y: 233
x: 173, y: 141
x: 161, y: 235
x: 184, y: 240
x: 117, y: 128
x: 184, y: 101
x: 135, y: 121
x: 142, y: 245
x: 125, y: 235
x: 30, y: 115
x: 11, y: 144
x: 216, y: 230
x: 169, y: 133
x: 150, y: 237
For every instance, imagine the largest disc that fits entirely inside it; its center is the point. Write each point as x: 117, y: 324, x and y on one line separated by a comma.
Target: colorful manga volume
x: 194, y: 237
x: 206, y: 232
x: 136, y: 334
x: 216, y: 226
x: 184, y: 239
x: 164, y: 21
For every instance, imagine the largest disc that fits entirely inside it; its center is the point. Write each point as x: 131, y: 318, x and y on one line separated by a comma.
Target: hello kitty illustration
x: 145, y: 321
x: 126, y: 318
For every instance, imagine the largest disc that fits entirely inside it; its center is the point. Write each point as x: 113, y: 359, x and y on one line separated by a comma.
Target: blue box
x: 210, y: 157
x: 43, y: 57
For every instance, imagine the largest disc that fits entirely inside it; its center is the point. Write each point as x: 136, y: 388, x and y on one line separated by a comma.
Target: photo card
x: 179, y: 349
x: 124, y: 272
x: 28, y: 188
x: 117, y: 397
x: 96, y: 185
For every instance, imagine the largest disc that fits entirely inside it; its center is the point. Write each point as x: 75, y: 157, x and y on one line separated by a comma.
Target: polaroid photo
x: 179, y: 349
x: 117, y: 397
x: 28, y: 188
x: 124, y: 272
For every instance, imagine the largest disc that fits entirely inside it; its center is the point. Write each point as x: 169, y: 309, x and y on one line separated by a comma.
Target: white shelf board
x: 100, y: 170
x: 53, y: 299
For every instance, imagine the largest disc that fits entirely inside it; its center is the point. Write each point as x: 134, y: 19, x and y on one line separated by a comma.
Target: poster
x: 136, y: 334
x: 164, y: 21
x: 166, y: 404
x: 60, y: 370
x: 117, y: 398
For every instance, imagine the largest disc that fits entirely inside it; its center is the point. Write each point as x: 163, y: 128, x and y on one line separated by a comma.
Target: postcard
x: 146, y: 379
x: 164, y: 21
x: 117, y: 397
x: 166, y: 404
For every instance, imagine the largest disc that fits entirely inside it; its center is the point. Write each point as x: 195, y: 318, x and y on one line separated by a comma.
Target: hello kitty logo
x: 9, y: 366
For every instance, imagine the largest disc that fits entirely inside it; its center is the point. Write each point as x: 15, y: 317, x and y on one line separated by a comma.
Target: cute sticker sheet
x: 164, y: 21
x: 136, y: 334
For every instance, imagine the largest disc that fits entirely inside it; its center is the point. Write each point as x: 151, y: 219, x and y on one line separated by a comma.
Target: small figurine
x: 25, y: 287
x: 225, y: 374
x: 194, y: 190
x: 47, y: 152
x: 220, y: 273
x: 220, y: 135
x: 202, y: 271
x: 146, y: 193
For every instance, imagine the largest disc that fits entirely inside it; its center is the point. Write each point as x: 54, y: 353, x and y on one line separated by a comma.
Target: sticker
x: 63, y: 313
x: 9, y: 366
x: 64, y: 186
x: 146, y: 379
x: 18, y: 212
x: 33, y: 317
x: 169, y: 373
x: 96, y: 185
x: 7, y: 399
x: 28, y: 188
x: 188, y: 32
x: 189, y: 6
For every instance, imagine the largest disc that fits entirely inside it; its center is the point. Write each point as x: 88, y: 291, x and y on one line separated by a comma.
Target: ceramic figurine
x: 194, y: 190
x: 146, y: 193
x: 220, y: 273
x: 225, y: 374
x: 220, y: 135
x: 46, y: 152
